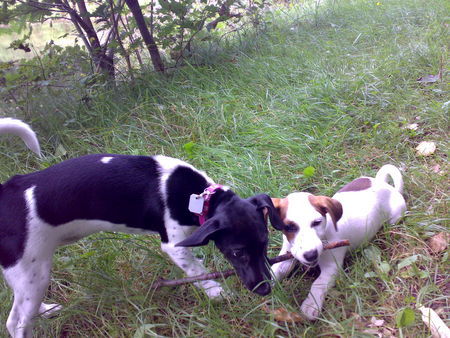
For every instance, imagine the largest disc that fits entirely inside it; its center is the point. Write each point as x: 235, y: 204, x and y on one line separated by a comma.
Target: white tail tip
x: 394, y: 173
x: 23, y: 130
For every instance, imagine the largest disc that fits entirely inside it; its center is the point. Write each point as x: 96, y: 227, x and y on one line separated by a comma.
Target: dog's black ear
x: 202, y: 235
x: 265, y: 204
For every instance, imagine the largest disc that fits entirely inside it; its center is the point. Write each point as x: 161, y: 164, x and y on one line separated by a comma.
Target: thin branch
x: 126, y: 26
x: 45, y: 6
x: 228, y: 273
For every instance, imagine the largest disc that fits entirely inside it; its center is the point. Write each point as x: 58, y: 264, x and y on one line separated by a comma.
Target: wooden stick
x: 228, y: 273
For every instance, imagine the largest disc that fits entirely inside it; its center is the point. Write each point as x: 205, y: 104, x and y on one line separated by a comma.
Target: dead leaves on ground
x: 281, y: 314
x: 439, y: 243
x: 426, y: 148
x: 374, y: 326
x: 430, y: 78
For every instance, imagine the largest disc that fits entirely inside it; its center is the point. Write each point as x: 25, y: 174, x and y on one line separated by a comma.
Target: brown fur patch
x: 289, y: 234
x: 359, y: 184
x: 281, y: 204
x: 324, y: 204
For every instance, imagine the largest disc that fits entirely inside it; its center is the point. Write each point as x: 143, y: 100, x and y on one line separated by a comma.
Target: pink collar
x: 206, y: 194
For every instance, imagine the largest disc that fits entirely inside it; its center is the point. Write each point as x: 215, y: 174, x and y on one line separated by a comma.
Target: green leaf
x: 424, y: 274
x: 384, y: 267
x: 372, y: 253
x: 189, y: 148
x: 101, y: 11
x: 405, y: 317
x: 178, y: 9
x: 309, y: 171
x: 370, y: 274
x: 410, y: 299
x: 164, y: 5
x: 60, y: 150
x: 444, y: 257
x: 407, y: 261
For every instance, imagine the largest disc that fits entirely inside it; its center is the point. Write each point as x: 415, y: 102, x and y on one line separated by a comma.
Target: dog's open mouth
x: 311, y: 264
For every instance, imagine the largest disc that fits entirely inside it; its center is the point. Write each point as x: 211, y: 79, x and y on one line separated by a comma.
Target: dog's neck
x: 219, y: 197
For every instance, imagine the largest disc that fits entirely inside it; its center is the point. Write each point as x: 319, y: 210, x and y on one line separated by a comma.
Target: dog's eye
x: 316, y: 223
x: 238, y: 253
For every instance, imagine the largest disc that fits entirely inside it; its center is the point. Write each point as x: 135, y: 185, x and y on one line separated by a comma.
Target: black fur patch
x: 12, y: 224
x: 181, y: 184
x: 123, y: 191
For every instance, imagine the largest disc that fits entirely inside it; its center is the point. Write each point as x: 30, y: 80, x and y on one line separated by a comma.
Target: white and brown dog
x: 356, y: 212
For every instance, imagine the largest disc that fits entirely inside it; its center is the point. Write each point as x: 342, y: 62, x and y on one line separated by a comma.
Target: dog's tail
x: 21, y: 129
x: 394, y: 173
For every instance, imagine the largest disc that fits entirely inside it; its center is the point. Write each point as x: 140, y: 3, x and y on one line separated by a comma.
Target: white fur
x: 364, y: 212
x: 21, y: 129
x: 106, y: 159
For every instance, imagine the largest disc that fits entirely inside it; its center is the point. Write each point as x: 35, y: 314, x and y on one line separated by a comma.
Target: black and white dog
x: 135, y: 194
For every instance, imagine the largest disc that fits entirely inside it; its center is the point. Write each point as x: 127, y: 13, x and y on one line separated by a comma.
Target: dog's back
x: 369, y: 202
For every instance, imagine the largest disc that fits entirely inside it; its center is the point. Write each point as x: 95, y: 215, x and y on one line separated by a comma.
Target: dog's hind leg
x: 29, y: 280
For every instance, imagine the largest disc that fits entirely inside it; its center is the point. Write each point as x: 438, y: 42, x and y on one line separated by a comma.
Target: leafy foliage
x: 111, y: 32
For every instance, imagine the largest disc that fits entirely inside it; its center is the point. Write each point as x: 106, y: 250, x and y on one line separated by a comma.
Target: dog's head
x: 305, y: 223
x: 239, y: 229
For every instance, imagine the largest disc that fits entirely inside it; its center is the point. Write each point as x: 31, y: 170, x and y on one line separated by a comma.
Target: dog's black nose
x: 263, y: 289
x: 311, y: 255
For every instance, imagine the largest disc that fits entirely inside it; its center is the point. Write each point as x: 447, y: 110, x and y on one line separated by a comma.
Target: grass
x: 330, y: 86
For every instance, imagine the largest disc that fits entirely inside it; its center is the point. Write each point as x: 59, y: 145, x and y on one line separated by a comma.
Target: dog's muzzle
x: 263, y: 289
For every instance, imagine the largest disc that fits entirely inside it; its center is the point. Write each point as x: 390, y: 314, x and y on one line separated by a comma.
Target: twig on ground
x: 227, y: 273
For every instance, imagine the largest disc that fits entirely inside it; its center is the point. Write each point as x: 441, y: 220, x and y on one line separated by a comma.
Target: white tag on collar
x: 196, y: 203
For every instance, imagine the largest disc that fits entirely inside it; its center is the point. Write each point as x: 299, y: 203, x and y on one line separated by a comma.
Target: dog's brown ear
x: 281, y: 205
x: 324, y: 204
x: 276, y: 202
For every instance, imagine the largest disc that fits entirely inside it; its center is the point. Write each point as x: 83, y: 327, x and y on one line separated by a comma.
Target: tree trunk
x: 103, y: 63
x: 134, y: 7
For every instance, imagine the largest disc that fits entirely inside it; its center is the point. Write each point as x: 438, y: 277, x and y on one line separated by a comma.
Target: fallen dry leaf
x: 426, y: 148
x: 436, y: 168
x: 381, y: 332
x: 434, y: 322
x: 388, y: 332
x: 412, y: 126
x: 429, y: 78
x: 439, y: 242
x: 282, y: 315
x: 376, y: 322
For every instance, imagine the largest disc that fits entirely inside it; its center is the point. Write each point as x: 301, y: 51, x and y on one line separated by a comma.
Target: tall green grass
x: 325, y: 84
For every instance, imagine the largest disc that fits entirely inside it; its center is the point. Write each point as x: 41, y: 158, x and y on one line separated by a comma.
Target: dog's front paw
x: 310, y: 309
x: 277, y: 271
x: 213, y: 289
x: 280, y: 270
